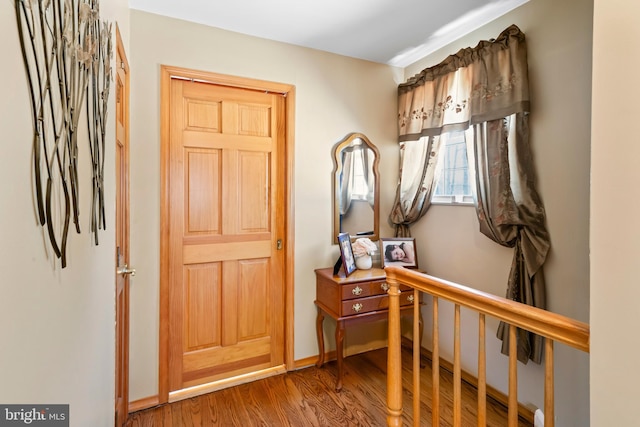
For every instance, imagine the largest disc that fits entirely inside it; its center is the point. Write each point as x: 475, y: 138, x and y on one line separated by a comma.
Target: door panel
x: 202, y: 306
x: 226, y: 295
x: 253, y: 299
x: 203, y: 191
x: 203, y: 116
x: 253, y: 188
x: 254, y: 120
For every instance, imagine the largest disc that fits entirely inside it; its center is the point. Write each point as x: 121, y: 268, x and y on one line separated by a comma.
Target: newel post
x: 394, y: 365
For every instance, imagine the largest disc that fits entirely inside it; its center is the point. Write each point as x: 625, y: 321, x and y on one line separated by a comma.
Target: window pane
x: 453, y: 179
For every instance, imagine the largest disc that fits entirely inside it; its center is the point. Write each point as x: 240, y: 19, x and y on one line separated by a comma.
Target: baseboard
x: 310, y: 361
x: 524, y: 412
x: 144, y: 403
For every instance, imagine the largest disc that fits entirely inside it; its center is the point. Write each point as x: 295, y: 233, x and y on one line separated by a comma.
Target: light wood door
x: 122, y: 234
x: 226, y: 289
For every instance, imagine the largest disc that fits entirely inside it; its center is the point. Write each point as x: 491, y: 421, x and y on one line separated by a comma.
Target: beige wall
x: 57, y: 335
x: 559, y: 55
x: 335, y: 95
x: 615, y: 228
x: 333, y: 99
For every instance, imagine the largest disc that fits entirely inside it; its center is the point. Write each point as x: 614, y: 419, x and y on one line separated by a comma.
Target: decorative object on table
x: 346, y: 253
x: 400, y: 251
x: 65, y: 48
x: 364, y: 262
x: 363, y: 248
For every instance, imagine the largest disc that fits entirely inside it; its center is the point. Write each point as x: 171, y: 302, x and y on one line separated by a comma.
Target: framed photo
x: 346, y: 253
x: 399, y: 251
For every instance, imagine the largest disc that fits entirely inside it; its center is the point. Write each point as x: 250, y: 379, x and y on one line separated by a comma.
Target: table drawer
x: 373, y: 303
x: 362, y: 290
x: 367, y: 289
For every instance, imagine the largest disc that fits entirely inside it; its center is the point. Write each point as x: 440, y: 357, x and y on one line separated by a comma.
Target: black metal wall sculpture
x: 66, y: 50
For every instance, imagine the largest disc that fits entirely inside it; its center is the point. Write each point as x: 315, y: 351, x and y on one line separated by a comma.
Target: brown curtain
x: 487, y: 82
x: 510, y: 213
x: 475, y: 85
x: 485, y: 91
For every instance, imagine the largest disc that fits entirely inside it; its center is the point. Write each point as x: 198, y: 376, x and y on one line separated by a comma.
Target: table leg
x: 339, y: 354
x: 320, y: 335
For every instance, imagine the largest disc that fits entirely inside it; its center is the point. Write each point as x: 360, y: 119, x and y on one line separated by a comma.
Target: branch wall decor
x: 66, y: 49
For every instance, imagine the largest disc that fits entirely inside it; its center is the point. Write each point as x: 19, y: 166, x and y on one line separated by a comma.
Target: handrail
x: 550, y: 325
x: 542, y: 322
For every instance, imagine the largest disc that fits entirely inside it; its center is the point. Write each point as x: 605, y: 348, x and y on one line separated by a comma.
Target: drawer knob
x: 357, y: 290
x: 384, y: 286
x: 410, y: 298
x: 357, y: 307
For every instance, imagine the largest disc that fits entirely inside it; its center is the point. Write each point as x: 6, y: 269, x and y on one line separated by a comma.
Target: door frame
x: 166, y: 74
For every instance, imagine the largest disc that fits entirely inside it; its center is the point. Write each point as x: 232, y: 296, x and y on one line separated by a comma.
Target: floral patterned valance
x: 475, y: 85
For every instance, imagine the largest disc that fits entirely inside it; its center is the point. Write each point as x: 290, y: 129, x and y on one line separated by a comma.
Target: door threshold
x: 198, y: 390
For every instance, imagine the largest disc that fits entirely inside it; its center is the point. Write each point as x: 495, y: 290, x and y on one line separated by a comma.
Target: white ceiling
x: 395, y: 32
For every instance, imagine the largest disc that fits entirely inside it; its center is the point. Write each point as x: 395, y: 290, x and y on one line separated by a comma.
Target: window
x: 453, y: 179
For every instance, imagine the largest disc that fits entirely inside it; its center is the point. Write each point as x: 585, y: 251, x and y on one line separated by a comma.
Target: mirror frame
x: 337, y: 169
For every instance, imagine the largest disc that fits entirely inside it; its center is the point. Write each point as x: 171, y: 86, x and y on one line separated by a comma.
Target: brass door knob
x: 125, y: 270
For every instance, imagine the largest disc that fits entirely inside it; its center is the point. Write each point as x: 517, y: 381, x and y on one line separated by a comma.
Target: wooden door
x: 226, y: 288
x: 122, y: 234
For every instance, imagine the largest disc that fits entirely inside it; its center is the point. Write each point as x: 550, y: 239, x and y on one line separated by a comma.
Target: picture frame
x: 394, y: 248
x: 346, y: 253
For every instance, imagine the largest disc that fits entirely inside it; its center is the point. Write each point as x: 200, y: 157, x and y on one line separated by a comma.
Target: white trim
x: 452, y: 200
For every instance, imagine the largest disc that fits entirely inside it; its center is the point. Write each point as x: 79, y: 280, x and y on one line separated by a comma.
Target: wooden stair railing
x: 553, y: 327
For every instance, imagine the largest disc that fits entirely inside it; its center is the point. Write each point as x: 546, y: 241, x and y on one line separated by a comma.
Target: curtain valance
x: 487, y: 82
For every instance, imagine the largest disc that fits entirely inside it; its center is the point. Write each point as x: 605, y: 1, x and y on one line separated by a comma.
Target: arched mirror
x: 356, y: 188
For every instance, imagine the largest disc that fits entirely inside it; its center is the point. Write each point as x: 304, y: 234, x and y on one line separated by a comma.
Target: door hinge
x: 279, y: 244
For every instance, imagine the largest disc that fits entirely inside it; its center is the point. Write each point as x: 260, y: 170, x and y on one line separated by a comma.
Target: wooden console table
x: 361, y: 297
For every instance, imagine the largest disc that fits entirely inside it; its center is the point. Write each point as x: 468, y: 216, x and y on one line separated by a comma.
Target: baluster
x: 394, y: 367
x: 457, y: 377
x: 435, y: 368
x: 549, y: 417
x: 482, y: 373
x: 513, y: 376
x: 416, y: 359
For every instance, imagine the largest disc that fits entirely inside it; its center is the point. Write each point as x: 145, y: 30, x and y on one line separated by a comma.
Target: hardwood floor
x: 307, y: 397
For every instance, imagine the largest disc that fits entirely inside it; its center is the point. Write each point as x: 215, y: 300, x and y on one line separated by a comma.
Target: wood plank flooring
x: 307, y: 397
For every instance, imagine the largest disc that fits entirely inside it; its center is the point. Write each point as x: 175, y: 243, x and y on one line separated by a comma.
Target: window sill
x: 451, y: 204
x: 452, y: 200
